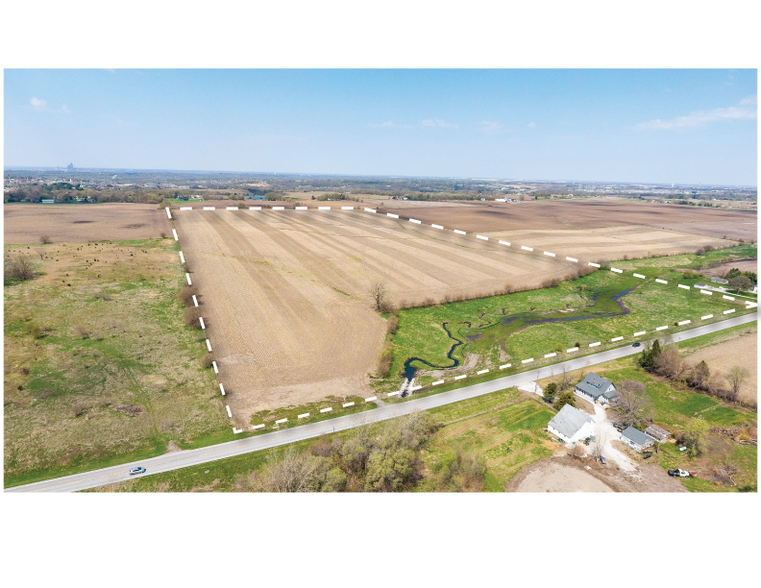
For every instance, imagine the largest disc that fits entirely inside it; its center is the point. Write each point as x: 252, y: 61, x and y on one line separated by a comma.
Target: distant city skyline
x: 616, y: 126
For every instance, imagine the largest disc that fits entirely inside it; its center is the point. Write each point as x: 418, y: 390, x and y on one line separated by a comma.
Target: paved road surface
x: 182, y: 459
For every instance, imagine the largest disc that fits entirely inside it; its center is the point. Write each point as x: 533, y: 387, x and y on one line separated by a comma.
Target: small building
x: 597, y: 389
x: 716, y: 280
x: 571, y: 424
x: 658, y: 433
x: 636, y: 439
x: 48, y: 200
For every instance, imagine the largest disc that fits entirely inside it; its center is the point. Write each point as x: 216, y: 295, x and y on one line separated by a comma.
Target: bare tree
x: 564, y: 381
x: 632, y: 404
x: 740, y: 283
x: 736, y: 378
x: 378, y: 292
x: 598, y: 445
x: 293, y: 471
x: 45, y: 239
x: 20, y: 268
x: 670, y: 363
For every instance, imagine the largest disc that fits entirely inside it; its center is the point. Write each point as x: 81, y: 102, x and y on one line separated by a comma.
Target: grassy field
x: 508, y: 438
x: 99, y: 367
x: 499, y: 329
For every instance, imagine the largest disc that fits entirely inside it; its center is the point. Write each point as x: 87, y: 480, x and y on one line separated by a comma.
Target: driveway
x: 605, y: 432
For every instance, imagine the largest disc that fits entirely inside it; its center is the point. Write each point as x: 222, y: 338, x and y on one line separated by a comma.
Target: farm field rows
x: 583, y: 215
x: 285, y: 294
x: 70, y: 223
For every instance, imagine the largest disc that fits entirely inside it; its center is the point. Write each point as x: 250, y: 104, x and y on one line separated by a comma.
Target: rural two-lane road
x: 182, y: 459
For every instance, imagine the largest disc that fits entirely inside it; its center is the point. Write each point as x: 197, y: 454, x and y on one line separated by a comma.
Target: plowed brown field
x: 285, y: 294
x: 68, y: 223
x: 585, y: 215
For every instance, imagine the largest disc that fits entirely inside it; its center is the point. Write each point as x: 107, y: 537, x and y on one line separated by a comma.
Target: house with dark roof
x: 597, y: 389
x: 571, y: 424
x: 636, y: 439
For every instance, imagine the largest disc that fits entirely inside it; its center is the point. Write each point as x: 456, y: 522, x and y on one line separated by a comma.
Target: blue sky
x: 666, y: 126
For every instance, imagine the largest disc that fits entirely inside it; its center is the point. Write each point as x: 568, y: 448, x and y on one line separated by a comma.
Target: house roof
x: 569, y: 420
x: 657, y: 432
x: 636, y: 436
x: 594, y: 385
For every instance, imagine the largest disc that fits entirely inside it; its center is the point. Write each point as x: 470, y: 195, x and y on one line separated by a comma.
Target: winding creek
x: 516, y: 323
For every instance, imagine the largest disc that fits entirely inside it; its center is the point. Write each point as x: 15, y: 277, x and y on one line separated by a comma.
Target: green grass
x: 292, y: 412
x: 138, y: 353
x: 509, y: 438
x: 480, y: 323
x: 484, y: 422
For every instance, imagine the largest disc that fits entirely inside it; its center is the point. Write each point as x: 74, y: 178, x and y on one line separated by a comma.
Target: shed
x: 716, y: 280
x: 48, y: 201
x: 658, y: 433
x: 597, y: 389
x: 636, y: 439
x: 571, y: 424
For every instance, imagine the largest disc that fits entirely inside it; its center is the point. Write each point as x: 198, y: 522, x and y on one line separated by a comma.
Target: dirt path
x: 605, y: 432
x: 555, y: 477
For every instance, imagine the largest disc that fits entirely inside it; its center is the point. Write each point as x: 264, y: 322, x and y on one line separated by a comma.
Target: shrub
x: 190, y: 316
x: 186, y: 295
x: 207, y: 360
x: 79, y: 408
x: 45, y: 239
x: 19, y: 268
x: 393, y: 322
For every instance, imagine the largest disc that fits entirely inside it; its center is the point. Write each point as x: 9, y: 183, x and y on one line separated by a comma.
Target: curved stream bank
x: 516, y: 323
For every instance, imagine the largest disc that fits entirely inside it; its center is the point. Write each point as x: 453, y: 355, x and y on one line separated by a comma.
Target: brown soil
x: 24, y: 223
x: 286, y: 293
x: 721, y: 269
x: 587, y: 215
x: 553, y: 474
x: 741, y: 351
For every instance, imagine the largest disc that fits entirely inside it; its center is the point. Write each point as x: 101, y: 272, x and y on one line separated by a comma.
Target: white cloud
x: 490, y: 127
x: 65, y: 109
x: 382, y: 125
x: 438, y: 123
x: 745, y: 111
x: 531, y: 125
x: 38, y: 103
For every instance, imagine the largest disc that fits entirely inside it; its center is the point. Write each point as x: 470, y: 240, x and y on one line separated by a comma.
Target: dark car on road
x: 137, y: 470
x: 637, y: 344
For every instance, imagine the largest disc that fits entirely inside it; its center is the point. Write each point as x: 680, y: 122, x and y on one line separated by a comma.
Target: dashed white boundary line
x: 749, y: 304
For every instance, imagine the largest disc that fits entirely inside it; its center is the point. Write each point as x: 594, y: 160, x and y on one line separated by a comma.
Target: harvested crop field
x: 741, y: 351
x: 286, y: 293
x: 75, y: 223
x: 554, y: 477
x: 750, y: 265
x: 585, y: 215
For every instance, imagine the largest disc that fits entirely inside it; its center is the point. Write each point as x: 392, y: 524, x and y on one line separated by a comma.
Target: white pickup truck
x: 680, y: 473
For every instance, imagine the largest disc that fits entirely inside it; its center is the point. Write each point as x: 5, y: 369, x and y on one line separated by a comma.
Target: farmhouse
x: 597, y: 389
x: 571, y: 424
x: 636, y: 439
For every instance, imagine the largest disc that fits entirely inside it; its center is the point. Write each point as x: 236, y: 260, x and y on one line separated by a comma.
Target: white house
x: 636, y: 439
x: 596, y: 389
x: 571, y: 424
